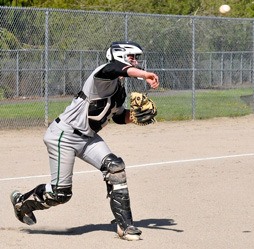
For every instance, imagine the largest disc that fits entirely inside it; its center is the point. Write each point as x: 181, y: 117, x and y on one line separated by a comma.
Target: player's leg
x: 98, y: 154
x: 42, y: 197
x: 113, y: 169
x: 59, y: 191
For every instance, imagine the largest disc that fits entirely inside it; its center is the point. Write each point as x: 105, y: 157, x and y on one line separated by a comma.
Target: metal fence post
x: 64, y: 74
x: 42, y: 75
x: 81, y: 68
x: 126, y: 39
x: 46, y: 67
x: 126, y: 27
x: 17, y: 74
x: 193, y: 70
x: 241, y: 69
x: 210, y: 69
x: 230, y: 69
x: 221, y: 69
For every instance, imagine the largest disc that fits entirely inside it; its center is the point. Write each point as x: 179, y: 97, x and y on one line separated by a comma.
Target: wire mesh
x: 47, y: 54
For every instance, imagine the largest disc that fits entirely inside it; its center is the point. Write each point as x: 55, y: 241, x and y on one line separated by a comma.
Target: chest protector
x: 101, y: 110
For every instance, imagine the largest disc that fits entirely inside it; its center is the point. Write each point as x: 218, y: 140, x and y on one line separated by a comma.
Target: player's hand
x: 152, y: 79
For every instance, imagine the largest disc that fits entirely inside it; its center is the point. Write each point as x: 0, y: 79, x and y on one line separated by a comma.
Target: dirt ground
x: 191, y: 185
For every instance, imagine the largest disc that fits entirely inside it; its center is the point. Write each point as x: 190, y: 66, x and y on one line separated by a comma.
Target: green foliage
x: 8, y: 40
x: 244, y: 8
x: 217, y: 36
x: 26, y: 33
x: 74, y: 32
x: 213, y: 35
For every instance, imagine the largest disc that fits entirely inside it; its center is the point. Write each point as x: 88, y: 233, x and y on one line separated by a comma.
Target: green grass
x: 209, y: 104
x: 176, y: 106
x: 32, y: 109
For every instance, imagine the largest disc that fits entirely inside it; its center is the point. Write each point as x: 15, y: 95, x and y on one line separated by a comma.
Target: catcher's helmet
x: 120, y: 50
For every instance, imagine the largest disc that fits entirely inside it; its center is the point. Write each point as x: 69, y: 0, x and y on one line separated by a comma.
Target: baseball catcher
x: 74, y: 133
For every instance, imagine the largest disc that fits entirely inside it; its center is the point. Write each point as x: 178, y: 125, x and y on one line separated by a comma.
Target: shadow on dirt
x: 164, y: 224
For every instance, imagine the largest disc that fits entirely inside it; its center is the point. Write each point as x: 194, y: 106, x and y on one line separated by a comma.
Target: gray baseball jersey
x: 74, y: 132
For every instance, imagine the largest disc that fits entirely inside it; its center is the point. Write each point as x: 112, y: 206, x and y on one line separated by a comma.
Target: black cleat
x: 16, y: 200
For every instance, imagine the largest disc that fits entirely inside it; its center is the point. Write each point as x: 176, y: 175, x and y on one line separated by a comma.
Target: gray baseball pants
x: 63, y: 146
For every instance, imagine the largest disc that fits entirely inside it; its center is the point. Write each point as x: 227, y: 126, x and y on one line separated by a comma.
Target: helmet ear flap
x: 111, y: 53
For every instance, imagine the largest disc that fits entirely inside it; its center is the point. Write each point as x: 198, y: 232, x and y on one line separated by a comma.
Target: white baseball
x: 224, y: 9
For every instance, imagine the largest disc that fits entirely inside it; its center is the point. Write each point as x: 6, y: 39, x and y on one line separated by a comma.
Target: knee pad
x: 55, y: 195
x: 113, y: 168
x: 45, y: 196
x: 111, y: 163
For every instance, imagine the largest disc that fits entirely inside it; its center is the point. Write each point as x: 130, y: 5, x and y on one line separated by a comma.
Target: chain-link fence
x: 205, y: 64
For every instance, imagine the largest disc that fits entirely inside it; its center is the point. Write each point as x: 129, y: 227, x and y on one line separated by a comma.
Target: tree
x: 243, y: 9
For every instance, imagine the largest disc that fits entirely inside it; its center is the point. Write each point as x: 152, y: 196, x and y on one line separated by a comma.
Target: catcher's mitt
x: 142, y: 109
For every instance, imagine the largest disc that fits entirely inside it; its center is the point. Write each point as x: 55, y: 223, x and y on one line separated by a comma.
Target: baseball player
x: 75, y: 134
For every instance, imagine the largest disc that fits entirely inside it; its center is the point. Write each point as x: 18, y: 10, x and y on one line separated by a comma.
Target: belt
x: 75, y: 131
x: 57, y: 120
